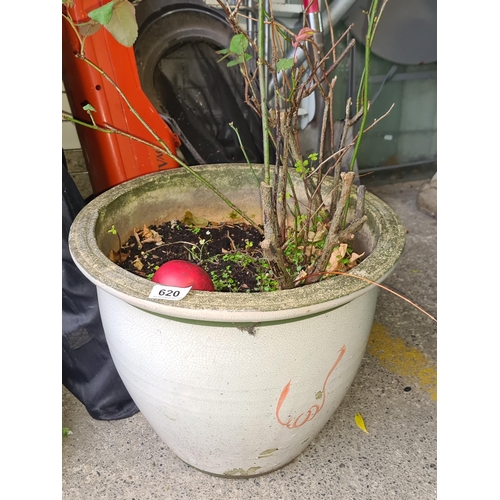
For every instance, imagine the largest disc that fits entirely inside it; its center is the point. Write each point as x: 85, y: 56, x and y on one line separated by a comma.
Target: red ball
x: 182, y: 273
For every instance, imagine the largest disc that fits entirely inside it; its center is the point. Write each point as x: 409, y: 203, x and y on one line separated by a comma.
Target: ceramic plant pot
x: 234, y: 384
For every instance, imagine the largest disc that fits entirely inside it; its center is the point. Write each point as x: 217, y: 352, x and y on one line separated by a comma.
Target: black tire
x: 177, y: 43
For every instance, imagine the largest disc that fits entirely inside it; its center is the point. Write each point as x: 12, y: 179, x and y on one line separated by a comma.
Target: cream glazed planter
x: 234, y: 384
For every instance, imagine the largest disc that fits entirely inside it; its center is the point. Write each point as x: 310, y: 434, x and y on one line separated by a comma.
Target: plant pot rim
x: 230, y: 307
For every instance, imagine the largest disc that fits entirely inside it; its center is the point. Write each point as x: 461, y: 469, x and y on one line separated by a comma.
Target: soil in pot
x: 229, y: 252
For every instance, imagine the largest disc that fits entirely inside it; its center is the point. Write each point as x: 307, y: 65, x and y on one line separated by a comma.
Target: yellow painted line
x: 400, y: 358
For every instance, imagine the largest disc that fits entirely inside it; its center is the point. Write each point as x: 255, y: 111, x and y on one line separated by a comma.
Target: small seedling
x: 224, y: 280
x: 266, y: 282
x: 150, y: 275
x: 302, y: 166
x: 238, y: 258
x: 196, y: 250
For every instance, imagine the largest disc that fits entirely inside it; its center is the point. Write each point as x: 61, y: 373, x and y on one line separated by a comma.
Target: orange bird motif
x: 294, y: 423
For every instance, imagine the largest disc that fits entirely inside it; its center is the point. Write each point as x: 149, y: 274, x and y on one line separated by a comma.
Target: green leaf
x: 123, y: 25
x: 284, y: 64
x: 102, y: 14
x: 238, y: 44
x: 88, y: 107
x: 232, y: 63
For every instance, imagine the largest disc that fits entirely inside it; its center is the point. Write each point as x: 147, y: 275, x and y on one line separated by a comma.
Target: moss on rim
x: 146, y: 196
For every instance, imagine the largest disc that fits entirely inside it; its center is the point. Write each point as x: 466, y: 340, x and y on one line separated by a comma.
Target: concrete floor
x: 394, y: 390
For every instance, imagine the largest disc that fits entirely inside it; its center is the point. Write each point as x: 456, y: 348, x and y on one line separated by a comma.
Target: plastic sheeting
x: 88, y: 371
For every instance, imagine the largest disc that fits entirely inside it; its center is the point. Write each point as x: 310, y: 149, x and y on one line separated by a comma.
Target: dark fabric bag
x: 88, y: 371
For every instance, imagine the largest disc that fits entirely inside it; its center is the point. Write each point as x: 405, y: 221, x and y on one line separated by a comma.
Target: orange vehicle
x: 111, y: 159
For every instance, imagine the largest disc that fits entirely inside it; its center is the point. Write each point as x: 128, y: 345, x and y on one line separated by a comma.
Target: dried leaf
x: 360, y: 422
x: 355, y: 256
x: 138, y: 264
x: 318, y: 235
x: 334, y: 264
x: 309, y: 250
x: 155, y: 238
x: 150, y: 236
x: 146, y: 232
x: 352, y: 261
x: 338, y: 262
x: 118, y: 257
x: 300, y: 277
x: 114, y: 256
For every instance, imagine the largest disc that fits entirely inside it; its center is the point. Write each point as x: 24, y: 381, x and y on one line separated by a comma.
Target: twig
x: 327, y: 273
x: 263, y: 92
x: 138, y: 240
x: 271, y: 247
x: 334, y: 236
x: 365, y: 82
x: 112, y: 130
